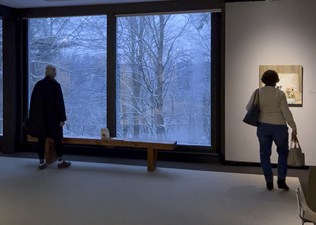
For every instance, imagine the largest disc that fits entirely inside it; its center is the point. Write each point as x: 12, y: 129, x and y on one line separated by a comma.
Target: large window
x: 1, y: 81
x: 76, y: 46
x: 163, y: 74
x: 163, y: 77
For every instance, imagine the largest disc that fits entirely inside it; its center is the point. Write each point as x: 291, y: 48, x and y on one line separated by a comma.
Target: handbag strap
x: 295, y: 144
x: 256, y: 98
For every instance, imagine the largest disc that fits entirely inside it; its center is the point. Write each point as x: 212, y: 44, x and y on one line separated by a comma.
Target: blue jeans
x: 268, y: 133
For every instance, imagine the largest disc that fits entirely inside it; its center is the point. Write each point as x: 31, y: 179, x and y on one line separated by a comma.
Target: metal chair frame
x: 303, y: 208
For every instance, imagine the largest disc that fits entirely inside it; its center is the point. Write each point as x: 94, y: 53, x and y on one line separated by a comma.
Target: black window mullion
x: 111, y: 74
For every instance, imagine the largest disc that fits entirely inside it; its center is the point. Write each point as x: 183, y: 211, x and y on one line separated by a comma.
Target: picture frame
x: 291, y: 82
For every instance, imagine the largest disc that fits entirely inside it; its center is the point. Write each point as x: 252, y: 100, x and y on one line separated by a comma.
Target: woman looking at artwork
x: 274, y: 117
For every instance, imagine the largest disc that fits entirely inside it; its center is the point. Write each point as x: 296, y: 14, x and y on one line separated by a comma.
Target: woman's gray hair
x: 50, y: 71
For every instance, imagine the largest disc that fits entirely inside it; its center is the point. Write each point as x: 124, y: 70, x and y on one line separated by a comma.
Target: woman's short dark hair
x: 270, y: 78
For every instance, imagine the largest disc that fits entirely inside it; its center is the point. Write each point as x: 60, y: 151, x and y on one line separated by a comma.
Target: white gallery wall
x: 270, y: 32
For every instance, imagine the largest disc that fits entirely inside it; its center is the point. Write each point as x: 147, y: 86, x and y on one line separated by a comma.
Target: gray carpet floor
x: 91, y: 193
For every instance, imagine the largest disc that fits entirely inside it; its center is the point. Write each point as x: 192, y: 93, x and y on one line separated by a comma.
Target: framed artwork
x: 291, y: 82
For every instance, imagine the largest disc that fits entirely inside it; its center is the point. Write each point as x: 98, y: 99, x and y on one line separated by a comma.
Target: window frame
x: 1, y: 68
x: 204, y: 12
x: 112, y: 11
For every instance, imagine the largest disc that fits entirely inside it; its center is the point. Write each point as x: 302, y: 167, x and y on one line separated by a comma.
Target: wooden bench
x: 151, y: 147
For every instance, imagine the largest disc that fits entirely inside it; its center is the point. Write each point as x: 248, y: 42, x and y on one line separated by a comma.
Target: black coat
x: 47, y: 109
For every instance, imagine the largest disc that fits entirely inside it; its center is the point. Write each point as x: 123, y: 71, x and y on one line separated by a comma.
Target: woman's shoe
x: 63, y: 164
x: 42, y: 166
x: 270, y: 186
x: 282, y: 185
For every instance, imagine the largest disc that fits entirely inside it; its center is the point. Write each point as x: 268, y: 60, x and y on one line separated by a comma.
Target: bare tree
x: 161, y: 61
x: 76, y: 46
x: 148, y: 46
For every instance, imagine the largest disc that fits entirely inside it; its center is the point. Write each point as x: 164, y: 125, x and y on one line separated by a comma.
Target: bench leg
x: 50, y: 153
x: 151, y: 159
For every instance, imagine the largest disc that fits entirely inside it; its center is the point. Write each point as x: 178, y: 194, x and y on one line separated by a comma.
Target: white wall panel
x: 268, y: 33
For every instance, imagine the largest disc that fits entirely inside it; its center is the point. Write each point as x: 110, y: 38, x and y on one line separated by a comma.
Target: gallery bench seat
x: 151, y: 147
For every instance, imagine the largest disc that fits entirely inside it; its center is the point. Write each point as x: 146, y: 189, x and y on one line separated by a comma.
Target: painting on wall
x: 291, y: 82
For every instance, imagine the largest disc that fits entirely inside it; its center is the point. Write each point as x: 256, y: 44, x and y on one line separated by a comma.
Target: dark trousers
x: 57, y: 146
x: 267, y: 134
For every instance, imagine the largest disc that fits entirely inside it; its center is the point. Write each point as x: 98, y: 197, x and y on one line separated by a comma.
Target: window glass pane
x: 163, y: 77
x: 76, y: 46
x: 1, y: 81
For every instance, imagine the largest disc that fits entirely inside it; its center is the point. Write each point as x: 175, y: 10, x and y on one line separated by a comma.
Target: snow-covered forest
x: 163, y: 73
